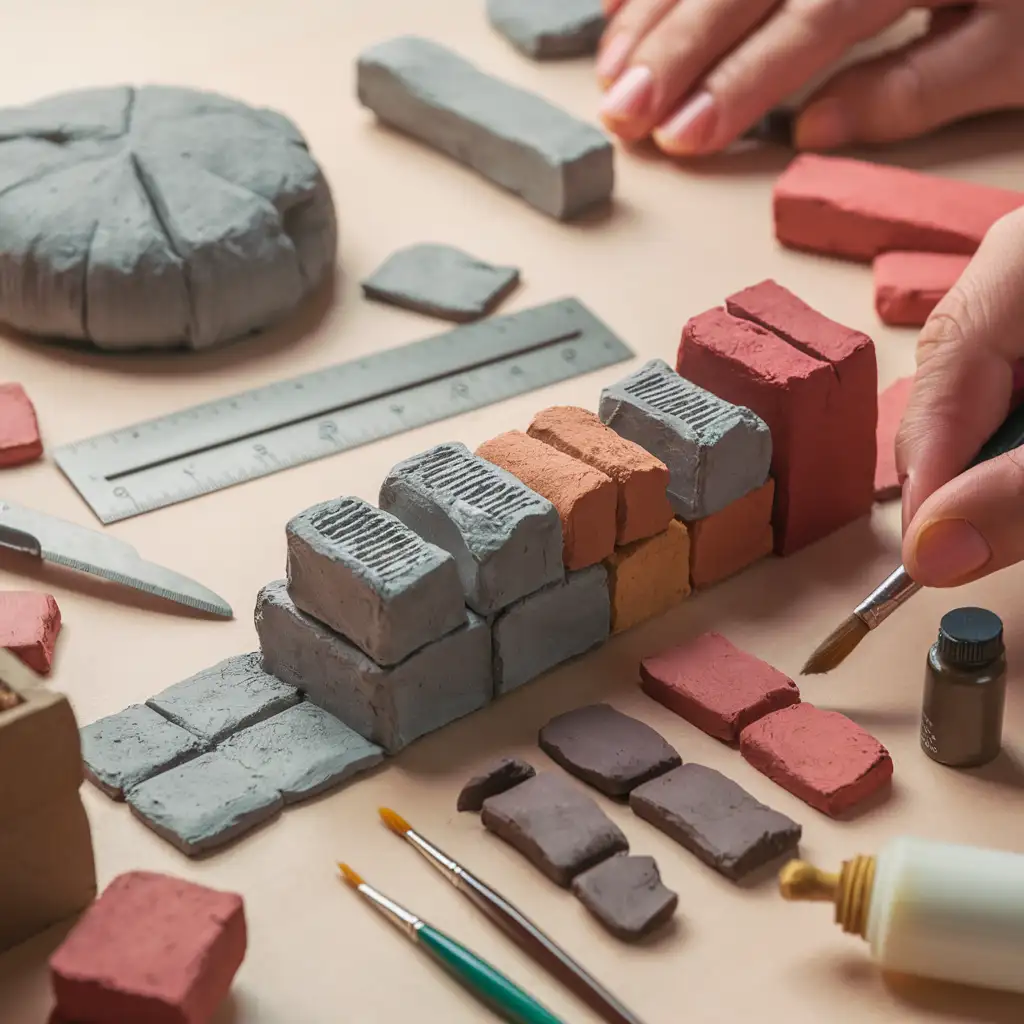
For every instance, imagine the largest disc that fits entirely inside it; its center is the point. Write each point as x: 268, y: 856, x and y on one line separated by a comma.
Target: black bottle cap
x: 970, y: 637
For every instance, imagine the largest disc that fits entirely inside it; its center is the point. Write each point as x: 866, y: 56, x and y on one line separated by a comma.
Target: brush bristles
x: 350, y: 876
x: 394, y: 821
x: 837, y: 647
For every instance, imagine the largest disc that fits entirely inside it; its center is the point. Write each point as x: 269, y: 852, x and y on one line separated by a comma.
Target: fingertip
x: 824, y: 124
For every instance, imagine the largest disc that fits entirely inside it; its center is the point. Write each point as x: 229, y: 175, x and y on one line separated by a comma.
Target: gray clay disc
x: 156, y: 217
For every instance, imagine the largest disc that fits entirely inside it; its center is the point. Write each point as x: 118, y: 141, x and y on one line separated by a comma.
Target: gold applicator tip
x: 836, y: 647
x: 394, y: 821
x: 799, y: 882
x: 350, y: 876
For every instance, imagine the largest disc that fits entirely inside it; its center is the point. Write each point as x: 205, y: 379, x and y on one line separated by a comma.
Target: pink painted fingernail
x: 612, y: 58
x: 823, y: 125
x: 629, y: 96
x: 690, y: 127
x: 948, y: 551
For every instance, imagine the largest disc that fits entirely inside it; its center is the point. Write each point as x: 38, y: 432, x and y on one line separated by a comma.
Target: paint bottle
x: 965, y: 690
x: 936, y: 910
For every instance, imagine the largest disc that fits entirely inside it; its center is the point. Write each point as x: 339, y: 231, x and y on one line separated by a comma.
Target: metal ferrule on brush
x: 886, y: 598
x: 449, y: 868
x: 398, y: 916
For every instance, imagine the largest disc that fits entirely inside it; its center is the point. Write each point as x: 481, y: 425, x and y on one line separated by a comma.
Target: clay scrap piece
x: 19, y: 428
x: 366, y: 575
x: 856, y: 209
x: 546, y: 30
x: 125, y: 749
x: 441, y: 281
x: 506, y: 539
x: 607, y: 749
x: 909, y: 285
x: 494, y: 779
x: 302, y: 751
x: 549, y: 627
x: 204, y: 803
x: 29, y: 626
x: 642, y: 480
x: 231, y: 695
x: 715, y: 819
x: 157, y: 217
x: 822, y: 757
x: 627, y: 896
x: 554, y: 825
x: 892, y: 404
x: 585, y: 497
x: 715, y: 452
x: 715, y: 686
x: 648, y: 577
x: 388, y: 706
x: 518, y: 140
x: 151, y: 948
x: 8, y: 698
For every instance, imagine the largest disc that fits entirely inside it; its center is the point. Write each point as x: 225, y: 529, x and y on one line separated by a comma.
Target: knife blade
x: 78, y: 547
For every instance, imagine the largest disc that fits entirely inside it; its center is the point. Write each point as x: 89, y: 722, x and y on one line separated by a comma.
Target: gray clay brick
x: 506, y: 538
x: 231, y: 695
x: 370, y: 578
x: 551, y: 626
x: 716, y: 452
x: 124, y: 749
x: 549, y: 29
x: 388, y: 706
x: 205, y: 803
x: 302, y: 751
x: 518, y: 140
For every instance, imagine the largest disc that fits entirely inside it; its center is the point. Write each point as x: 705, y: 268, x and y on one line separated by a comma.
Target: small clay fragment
x: 822, y: 757
x: 19, y: 429
x: 892, y: 404
x: 29, y: 626
x: 626, y: 895
x: 607, y: 749
x: 555, y: 825
x: 909, y: 285
x: 494, y: 779
x: 549, y: 29
x: 715, y: 819
x: 8, y: 698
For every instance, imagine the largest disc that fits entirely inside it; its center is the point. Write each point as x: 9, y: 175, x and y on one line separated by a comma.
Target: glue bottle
x: 936, y: 910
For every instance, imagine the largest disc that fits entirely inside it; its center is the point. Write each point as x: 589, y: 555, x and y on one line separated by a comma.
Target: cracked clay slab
x: 549, y: 29
x: 626, y: 895
x: 441, y: 281
x: 497, y: 777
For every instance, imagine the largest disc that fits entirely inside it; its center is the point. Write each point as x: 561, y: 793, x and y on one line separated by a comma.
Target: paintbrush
x: 474, y: 973
x: 898, y: 587
x: 526, y: 935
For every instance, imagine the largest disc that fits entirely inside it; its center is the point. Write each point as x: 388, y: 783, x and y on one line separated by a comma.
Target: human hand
x: 958, y: 528
x: 697, y: 74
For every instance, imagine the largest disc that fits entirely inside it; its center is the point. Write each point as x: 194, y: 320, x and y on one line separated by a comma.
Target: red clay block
x: 641, y: 479
x: 586, y: 498
x: 892, y: 403
x: 822, y: 757
x: 856, y: 209
x: 851, y: 353
x: 909, y: 285
x: 723, y: 544
x: 715, y: 686
x: 19, y: 428
x: 152, y: 948
x: 796, y: 395
x: 29, y: 625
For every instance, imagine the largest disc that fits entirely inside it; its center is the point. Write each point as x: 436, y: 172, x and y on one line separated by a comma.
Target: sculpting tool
x: 485, y: 982
x: 898, y: 587
x: 526, y: 935
x: 77, y: 547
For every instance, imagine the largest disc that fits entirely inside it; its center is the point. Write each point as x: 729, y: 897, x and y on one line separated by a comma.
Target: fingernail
x: 612, y: 58
x: 689, y: 129
x: 949, y: 550
x: 629, y: 96
x: 823, y: 125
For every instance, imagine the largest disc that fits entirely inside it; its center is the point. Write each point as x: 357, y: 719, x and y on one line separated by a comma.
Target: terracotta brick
x: 649, y: 576
x: 19, y: 428
x: 723, y: 544
x: 29, y: 626
x: 856, y: 209
x: 892, y: 403
x: 715, y: 686
x: 909, y: 285
x: 641, y: 480
x: 586, y: 499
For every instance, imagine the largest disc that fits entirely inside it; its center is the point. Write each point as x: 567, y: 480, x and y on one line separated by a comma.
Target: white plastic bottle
x: 937, y: 910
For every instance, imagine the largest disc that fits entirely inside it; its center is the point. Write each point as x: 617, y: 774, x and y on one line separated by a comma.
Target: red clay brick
x: 29, y: 626
x: 641, y: 479
x: 856, y: 209
x: 151, y: 948
x: 19, y: 428
x: 715, y: 686
x: 909, y: 285
x: 822, y: 757
x: 586, y: 498
x: 892, y: 403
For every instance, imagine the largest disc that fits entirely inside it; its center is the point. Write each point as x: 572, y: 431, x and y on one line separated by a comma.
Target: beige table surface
x: 678, y: 241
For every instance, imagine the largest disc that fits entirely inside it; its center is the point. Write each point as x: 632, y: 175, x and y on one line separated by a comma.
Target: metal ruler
x: 243, y: 437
